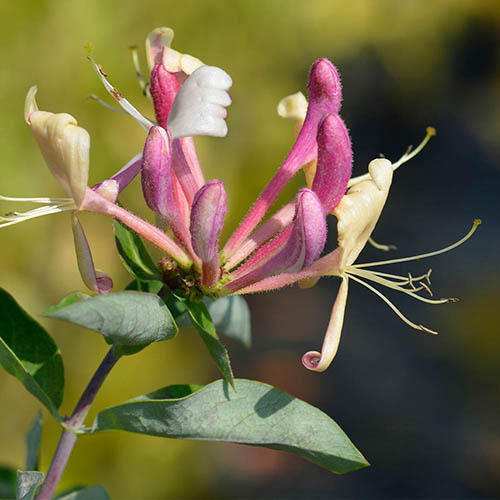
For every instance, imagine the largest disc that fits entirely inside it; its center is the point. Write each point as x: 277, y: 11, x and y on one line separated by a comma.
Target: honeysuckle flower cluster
x: 190, y: 99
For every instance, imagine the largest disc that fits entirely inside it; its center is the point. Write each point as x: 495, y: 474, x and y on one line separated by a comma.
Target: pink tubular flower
x: 190, y: 99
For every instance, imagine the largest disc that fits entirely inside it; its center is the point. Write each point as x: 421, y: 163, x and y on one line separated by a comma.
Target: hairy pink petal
x: 93, y: 202
x: 324, y: 97
x: 189, y: 150
x: 207, y: 218
x: 160, y: 187
x: 156, y: 173
x: 265, y: 253
x: 164, y: 88
x: 183, y: 171
x: 334, y: 162
x: 263, y: 233
x: 324, y: 266
x: 295, y: 248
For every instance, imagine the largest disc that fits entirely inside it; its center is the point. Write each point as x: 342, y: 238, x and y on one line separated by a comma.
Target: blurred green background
x: 424, y: 410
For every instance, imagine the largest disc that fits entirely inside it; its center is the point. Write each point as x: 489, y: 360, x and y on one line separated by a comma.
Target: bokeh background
x: 423, y: 409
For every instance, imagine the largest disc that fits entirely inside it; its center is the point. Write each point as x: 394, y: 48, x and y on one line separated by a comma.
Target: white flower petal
x: 199, y: 107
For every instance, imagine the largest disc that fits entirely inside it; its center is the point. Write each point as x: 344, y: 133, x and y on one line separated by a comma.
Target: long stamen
x: 389, y: 284
x: 406, y: 157
x: 37, y: 200
x: 393, y: 307
x: 105, y: 104
x: 124, y: 103
x: 381, y: 246
x: 476, y: 223
x: 17, y: 217
x: 404, y: 280
x: 430, y: 132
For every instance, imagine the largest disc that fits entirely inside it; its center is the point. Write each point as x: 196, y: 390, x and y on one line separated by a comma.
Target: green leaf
x: 27, y: 484
x: 72, y: 298
x: 125, y: 318
x: 134, y: 254
x: 231, y: 317
x: 145, y: 286
x: 200, y: 317
x: 96, y: 492
x: 33, y: 441
x: 178, y: 309
x: 257, y: 414
x: 8, y: 482
x: 28, y: 353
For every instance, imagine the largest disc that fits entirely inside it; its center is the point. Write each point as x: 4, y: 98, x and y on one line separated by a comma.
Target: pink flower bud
x: 164, y: 88
x: 334, y: 162
x: 295, y: 248
x: 156, y: 173
x: 207, y: 218
x: 324, y: 87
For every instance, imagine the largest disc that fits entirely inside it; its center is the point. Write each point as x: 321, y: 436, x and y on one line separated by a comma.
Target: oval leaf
x: 124, y: 318
x: 27, y: 484
x: 257, y: 414
x: 28, y: 353
x: 134, y: 255
x: 33, y: 441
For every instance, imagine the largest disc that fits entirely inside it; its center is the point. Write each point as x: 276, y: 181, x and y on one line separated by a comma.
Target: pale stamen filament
x: 393, y: 307
x: 11, y: 218
x: 426, y: 288
x: 430, y: 132
x: 404, y: 280
x: 381, y: 246
x: 476, y: 223
x: 389, y: 284
x: 144, y: 84
x: 406, y: 157
x: 37, y: 200
x: 124, y: 103
x: 105, y: 104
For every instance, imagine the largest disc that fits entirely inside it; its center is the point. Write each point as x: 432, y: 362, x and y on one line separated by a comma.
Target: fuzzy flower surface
x: 190, y: 99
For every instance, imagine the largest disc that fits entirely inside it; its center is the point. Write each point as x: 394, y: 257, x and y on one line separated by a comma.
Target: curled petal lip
x: 199, y: 106
x: 64, y: 146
